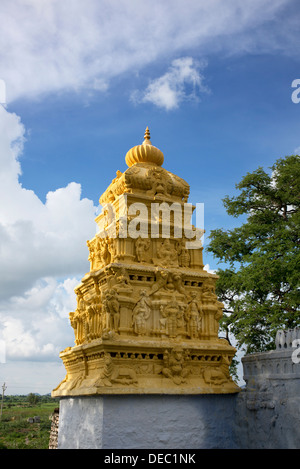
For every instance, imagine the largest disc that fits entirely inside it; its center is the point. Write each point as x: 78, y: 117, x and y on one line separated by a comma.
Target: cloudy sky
x: 79, y: 83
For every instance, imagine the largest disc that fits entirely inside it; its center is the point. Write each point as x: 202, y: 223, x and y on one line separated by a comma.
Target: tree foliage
x: 33, y: 398
x: 260, y: 286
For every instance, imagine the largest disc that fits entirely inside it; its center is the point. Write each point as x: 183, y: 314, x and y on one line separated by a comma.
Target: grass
x: 17, y: 433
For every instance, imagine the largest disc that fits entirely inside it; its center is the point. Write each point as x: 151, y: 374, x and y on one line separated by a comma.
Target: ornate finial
x: 147, y: 137
x: 145, y: 153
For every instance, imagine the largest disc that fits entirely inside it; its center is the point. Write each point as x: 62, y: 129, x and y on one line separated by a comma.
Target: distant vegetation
x: 16, y: 432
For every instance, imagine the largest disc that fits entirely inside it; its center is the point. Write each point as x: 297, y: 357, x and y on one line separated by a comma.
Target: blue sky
x: 212, y: 80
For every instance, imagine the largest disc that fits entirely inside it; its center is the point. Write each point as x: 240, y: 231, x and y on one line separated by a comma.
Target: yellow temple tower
x: 147, y: 315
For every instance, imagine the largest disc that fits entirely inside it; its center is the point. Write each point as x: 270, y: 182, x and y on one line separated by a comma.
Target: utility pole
x: 3, y: 389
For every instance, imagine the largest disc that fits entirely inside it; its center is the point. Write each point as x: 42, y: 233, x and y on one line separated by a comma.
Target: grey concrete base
x: 147, y: 422
x: 266, y: 414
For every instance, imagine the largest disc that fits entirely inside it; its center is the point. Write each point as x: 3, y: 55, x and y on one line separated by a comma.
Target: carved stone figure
x: 108, y: 212
x: 161, y: 279
x: 111, y: 307
x: 105, y: 378
x: 174, y: 365
x: 115, y: 374
x: 160, y: 182
x: 193, y: 316
x: 141, y: 313
x: 102, y: 253
x: 77, y: 319
x: 184, y: 254
x: 173, y: 315
x: 167, y: 255
x: 214, y: 376
x: 92, y: 253
x: 111, y: 247
x: 208, y: 290
x: 142, y: 246
x: 177, y: 282
x: 74, y: 324
x: 93, y: 318
x: 122, y: 281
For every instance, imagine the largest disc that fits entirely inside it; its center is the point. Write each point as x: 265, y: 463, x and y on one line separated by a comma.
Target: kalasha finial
x: 145, y: 153
x: 147, y: 137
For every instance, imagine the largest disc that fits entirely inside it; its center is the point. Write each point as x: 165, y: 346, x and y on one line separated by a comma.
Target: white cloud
x: 54, y: 45
x: 169, y: 90
x: 43, y: 255
x: 35, y: 325
x: 208, y: 269
x: 36, y: 239
x: 297, y: 151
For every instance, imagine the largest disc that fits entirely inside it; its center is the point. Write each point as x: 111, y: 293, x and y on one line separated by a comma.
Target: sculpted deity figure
x: 97, y: 259
x: 122, y: 281
x: 74, y: 323
x: 161, y: 279
x: 173, y: 314
x: 111, y: 374
x: 159, y: 181
x: 104, y: 251
x: 217, y: 375
x: 92, y: 254
x: 167, y: 255
x: 77, y: 319
x: 208, y: 290
x: 109, y: 214
x: 193, y: 316
x: 184, y: 255
x: 99, y: 254
x: 142, y: 246
x: 111, y: 307
x: 141, y: 313
x: 105, y: 378
x: 174, y: 365
x: 177, y: 282
x: 93, y: 318
x: 111, y: 247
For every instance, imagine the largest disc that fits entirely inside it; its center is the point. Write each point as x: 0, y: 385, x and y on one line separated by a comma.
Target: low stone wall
x: 268, y: 409
x: 54, y: 429
x: 265, y: 414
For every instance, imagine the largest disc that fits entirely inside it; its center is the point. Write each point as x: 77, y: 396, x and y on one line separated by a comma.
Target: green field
x: 16, y: 432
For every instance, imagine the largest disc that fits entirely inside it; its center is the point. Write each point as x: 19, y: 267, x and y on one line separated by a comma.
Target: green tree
x: 33, y: 398
x: 260, y: 284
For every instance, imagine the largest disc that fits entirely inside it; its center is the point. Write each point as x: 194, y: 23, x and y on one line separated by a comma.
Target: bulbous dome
x: 144, y: 153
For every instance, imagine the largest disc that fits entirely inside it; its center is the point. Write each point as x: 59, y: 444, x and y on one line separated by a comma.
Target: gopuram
x: 147, y: 315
